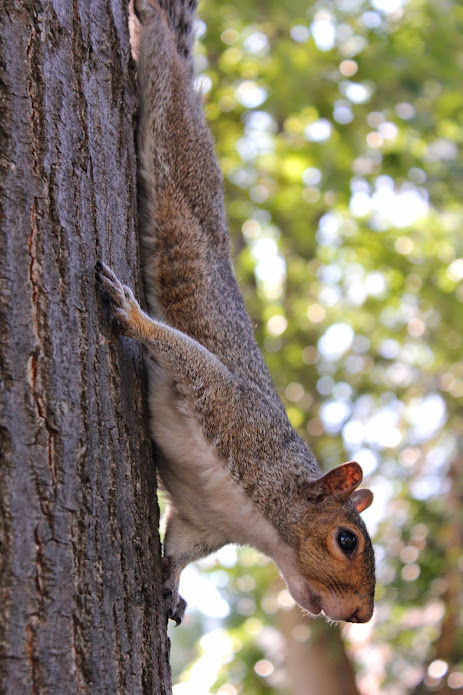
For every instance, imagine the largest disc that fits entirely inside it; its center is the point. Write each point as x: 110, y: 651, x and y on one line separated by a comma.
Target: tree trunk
x: 446, y: 647
x: 316, y: 660
x: 80, y: 601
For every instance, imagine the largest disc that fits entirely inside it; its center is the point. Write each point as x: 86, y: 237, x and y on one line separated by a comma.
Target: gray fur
x: 234, y: 468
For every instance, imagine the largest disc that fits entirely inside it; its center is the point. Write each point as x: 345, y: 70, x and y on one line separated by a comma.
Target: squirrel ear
x: 362, y: 499
x: 340, y: 481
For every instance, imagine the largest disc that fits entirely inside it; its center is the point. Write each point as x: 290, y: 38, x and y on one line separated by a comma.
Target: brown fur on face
x: 344, y: 585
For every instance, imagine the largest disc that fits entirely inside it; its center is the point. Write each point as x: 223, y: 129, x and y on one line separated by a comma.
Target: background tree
x: 80, y: 603
x: 339, y: 127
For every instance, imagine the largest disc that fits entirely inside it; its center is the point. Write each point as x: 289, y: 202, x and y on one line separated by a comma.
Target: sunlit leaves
x: 339, y: 132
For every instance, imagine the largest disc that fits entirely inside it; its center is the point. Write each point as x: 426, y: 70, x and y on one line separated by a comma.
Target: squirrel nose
x: 359, y: 617
x: 354, y: 618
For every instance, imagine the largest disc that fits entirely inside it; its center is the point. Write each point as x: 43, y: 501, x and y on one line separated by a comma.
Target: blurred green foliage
x: 339, y: 125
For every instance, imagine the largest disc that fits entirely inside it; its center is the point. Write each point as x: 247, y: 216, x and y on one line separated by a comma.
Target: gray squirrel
x: 234, y: 469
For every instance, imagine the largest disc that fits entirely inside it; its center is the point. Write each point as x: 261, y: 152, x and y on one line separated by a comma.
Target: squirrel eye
x: 347, y: 541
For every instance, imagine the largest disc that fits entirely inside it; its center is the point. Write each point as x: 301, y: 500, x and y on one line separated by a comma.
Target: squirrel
x: 234, y: 468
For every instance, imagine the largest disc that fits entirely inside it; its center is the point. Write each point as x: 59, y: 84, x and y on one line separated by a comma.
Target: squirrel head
x: 335, y: 565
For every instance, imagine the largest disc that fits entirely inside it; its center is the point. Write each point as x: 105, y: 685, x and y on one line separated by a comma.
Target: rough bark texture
x: 80, y: 603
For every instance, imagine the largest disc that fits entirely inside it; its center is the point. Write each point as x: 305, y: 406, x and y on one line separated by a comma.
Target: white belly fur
x: 197, y: 482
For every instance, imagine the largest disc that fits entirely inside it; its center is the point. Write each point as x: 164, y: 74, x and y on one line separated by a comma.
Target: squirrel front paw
x: 175, y: 605
x: 124, y: 307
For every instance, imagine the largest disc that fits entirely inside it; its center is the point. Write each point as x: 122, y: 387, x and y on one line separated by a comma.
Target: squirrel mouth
x: 305, y: 596
x: 312, y: 603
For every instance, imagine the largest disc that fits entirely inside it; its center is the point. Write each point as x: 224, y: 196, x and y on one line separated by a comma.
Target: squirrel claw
x: 110, y: 283
x: 124, y: 307
x: 175, y: 604
x: 178, y: 612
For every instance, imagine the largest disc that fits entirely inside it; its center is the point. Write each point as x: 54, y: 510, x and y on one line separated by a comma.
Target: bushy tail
x: 189, y: 280
x: 180, y: 16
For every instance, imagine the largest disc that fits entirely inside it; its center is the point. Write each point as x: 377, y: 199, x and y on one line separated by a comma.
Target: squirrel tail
x: 181, y: 17
x: 188, y: 276
x: 182, y: 214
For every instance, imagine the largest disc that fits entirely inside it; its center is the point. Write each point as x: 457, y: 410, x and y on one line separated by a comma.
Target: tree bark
x: 80, y: 598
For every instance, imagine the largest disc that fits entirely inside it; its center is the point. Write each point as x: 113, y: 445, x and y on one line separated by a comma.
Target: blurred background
x: 338, y: 126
